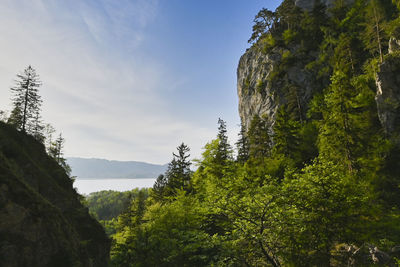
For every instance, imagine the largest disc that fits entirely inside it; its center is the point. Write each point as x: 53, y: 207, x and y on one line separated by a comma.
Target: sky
x: 130, y: 79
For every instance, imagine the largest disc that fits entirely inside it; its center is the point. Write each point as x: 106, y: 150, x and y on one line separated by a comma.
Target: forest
x: 314, y: 183
x: 319, y: 186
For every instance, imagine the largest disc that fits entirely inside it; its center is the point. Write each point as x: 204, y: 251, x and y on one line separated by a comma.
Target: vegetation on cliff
x: 316, y: 181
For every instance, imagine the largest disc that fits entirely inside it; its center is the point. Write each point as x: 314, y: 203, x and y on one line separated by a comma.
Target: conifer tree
x: 56, y: 151
x: 15, y: 118
x: 374, y: 34
x: 178, y: 174
x: 36, y: 127
x: 159, y: 187
x: 242, y: 145
x: 288, y: 14
x: 294, y: 104
x: 259, y: 138
x: 340, y: 131
x: 286, y: 134
x: 48, y: 132
x: 137, y: 209
x: 263, y: 22
x: 26, y: 100
x: 224, y: 150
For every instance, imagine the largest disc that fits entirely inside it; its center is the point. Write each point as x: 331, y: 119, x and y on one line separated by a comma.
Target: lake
x: 88, y: 185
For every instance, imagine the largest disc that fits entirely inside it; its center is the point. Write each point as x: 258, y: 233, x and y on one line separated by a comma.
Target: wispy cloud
x: 98, y: 88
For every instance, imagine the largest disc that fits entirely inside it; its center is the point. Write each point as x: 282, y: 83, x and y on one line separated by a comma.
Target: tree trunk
x: 25, y: 106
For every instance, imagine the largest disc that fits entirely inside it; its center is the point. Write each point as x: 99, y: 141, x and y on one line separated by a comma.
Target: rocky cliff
x: 261, y: 92
x: 265, y: 82
x: 388, y: 89
x: 42, y: 222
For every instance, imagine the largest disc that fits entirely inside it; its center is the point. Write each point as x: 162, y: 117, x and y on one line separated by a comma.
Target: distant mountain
x: 102, y: 168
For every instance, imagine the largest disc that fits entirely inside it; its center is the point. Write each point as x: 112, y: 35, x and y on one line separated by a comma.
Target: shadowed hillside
x: 42, y: 221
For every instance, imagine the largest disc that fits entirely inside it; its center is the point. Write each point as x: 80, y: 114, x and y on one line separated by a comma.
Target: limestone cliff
x: 388, y: 89
x: 263, y: 86
x: 260, y: 92
x: 42, y: 222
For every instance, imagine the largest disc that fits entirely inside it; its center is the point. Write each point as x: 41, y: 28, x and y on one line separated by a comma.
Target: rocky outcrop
x: 365, y: 255
x: 262, y: 88
x: 388, y: 89
x: 42, y: 222
x: 394, y: 45
x: 264, y: 84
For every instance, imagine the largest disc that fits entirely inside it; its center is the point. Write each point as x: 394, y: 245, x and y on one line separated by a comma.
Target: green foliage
x: 56, y: 151
x: 260, y: 86
x: 286, y: 135
x: 107, y: 205
x: 263, y: 23
x: 243, y: 145
x: 289, y: 36
x: 246, y: 84
x: 289, y: 15
x: 177, y: 177
x: 315, y: 184
x: 159, y: 187
x: 329, y: 208
x: 267, y: 43
x: 260, y: 142
x: 374, y: 37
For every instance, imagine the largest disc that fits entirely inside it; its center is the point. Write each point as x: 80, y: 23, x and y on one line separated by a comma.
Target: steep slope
x: 276, y: 70
x: 260, y: 91
x: 42, y: 222
x: 272, y: 72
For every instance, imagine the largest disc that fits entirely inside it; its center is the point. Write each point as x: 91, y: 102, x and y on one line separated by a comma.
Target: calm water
x: 87, y: 185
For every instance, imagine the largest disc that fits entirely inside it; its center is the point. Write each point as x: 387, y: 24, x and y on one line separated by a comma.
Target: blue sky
x: 130, y: 79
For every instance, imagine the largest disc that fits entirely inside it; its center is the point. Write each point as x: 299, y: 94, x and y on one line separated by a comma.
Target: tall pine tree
x: 259, y: 138
x: 242, y: 145
x: 26, y: 99
x: 374, y: 35
x: 178, y: 174
x: 56, y: 151
x: 224, y: 150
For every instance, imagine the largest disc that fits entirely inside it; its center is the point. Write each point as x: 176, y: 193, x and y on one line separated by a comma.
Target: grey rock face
x: 254, y: 66
x: 259, y: 92
x: 388, y: 94
x: 394, y: 45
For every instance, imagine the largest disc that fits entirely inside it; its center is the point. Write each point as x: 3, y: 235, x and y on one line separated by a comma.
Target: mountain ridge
x: 104, y: 168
